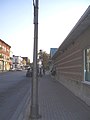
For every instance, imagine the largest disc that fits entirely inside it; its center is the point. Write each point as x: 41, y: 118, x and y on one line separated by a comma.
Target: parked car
x: 12, y: 69
x: 19, y: 69
x: 29, y: 72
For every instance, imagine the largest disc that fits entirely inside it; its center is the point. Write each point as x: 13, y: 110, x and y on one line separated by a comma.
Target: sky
x: 56, y: 20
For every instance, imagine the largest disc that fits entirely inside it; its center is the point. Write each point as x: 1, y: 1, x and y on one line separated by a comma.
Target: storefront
x: 5, y: 65
x: 1, y: 65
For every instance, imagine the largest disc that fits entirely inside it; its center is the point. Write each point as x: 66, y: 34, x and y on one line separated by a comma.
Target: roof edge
x: 5, y: 43
x: 82, y: 18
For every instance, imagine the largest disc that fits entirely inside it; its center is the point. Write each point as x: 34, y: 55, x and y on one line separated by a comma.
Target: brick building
x: 72, y: 59
x: 4, y: 56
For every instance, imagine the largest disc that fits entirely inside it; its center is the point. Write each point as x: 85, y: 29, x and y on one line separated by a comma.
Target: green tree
x: 44, y: 57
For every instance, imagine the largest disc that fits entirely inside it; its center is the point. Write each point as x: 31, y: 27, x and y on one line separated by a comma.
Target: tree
x: 28, y: 63
x: 44, y: 58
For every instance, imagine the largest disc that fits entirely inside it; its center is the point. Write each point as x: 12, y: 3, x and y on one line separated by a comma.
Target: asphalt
x: 58, y: 103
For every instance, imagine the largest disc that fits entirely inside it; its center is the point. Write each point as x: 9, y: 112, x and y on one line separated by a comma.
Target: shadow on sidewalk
x: 58, y: 103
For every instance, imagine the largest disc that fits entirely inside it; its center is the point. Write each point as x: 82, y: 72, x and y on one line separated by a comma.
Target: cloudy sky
x: 56, y: 20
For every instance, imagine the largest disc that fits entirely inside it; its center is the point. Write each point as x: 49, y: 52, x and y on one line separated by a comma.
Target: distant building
x: 17, y: 61
x: 27, y: 60
x: 4, y: 56
x: 52, y: 51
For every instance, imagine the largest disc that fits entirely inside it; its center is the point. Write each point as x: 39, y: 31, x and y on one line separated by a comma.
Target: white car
x: 19, y: 69
x: 12, y: 69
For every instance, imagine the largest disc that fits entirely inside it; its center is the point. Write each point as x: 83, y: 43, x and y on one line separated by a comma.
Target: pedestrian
x: 44, y: 71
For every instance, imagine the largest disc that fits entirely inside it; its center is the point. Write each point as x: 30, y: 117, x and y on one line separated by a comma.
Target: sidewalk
x: 57, y: 103
x: 3, y: 71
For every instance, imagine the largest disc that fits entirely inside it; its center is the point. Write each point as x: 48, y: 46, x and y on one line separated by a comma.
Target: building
x: 4, y: 56
x: 17, y: 62
x: 52, y: 51
x: 27, y: 60
x: 72, y: 59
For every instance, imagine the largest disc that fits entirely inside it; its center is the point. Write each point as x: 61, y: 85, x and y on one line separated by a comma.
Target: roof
x: 5, y: 43
x: 79, y: 28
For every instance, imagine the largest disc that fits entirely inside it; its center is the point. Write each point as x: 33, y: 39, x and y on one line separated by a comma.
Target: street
x: 13, y: 87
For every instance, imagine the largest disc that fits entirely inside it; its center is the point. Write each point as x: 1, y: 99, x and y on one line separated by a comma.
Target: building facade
x: 72, y: 59
x: 4, y: 56
x: 27, y: 60
x: 17, y: 62
x: 52, y: 51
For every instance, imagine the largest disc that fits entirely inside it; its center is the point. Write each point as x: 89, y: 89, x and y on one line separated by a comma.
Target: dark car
x: 29, y: 72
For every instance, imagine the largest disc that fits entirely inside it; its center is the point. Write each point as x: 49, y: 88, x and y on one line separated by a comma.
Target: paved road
x: 13, y: 87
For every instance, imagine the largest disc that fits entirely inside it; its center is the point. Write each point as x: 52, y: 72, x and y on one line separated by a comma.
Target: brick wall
x: 70, y: 66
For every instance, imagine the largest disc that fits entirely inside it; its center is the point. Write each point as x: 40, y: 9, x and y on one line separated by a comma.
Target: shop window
x: 87, y: 65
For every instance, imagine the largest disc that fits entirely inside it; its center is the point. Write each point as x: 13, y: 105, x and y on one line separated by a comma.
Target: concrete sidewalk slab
x: 58, y: 103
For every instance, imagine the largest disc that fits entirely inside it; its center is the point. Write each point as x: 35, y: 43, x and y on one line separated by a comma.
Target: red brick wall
x: 7, y: 52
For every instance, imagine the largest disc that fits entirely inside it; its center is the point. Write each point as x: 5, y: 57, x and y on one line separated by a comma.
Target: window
x: 0, y: 47
x: 87, y: 65
x: 3, y: 47
x: 1, y: 56
x: 7, y: 50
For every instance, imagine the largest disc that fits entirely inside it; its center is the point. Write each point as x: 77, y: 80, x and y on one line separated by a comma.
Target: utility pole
x: 34, y: 108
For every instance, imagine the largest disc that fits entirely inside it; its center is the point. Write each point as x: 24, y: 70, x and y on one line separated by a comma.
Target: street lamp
x: 34, y: 108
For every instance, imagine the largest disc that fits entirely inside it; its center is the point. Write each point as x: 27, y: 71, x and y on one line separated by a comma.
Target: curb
x: 21, y: 111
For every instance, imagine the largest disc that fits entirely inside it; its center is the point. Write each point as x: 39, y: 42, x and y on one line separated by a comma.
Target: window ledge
x: 86, y: 82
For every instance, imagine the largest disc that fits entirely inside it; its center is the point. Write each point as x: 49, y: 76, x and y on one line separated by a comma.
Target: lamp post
x: 34, y: 108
